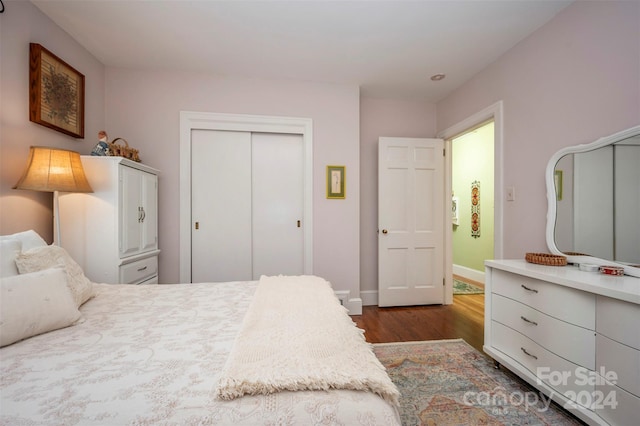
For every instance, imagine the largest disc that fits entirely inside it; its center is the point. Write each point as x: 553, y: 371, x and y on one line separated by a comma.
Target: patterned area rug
x: 448, y: 382
x: 462, y: 287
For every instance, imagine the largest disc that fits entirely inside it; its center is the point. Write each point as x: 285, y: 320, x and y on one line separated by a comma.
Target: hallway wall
x: 472, y: 160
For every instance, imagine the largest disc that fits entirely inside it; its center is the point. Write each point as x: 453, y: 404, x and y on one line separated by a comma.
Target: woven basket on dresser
x: 546, y: 259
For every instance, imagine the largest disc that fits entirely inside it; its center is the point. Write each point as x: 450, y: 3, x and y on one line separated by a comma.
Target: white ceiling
x: 388, y: 48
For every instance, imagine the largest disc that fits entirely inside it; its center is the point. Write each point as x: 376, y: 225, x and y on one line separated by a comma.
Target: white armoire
x: 113, y: 232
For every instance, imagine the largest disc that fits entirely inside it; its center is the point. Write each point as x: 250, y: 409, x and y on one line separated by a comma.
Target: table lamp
x: 52, y: 170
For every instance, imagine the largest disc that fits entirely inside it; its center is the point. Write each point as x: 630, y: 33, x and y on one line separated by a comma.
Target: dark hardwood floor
x: 463, y: 319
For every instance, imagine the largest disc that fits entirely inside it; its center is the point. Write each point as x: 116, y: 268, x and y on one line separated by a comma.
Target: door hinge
x: 443, y: 282
x: 444, y: 150
x: 298, y: 224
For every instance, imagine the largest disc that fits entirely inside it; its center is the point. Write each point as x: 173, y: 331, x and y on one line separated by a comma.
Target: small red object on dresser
x: 612, y: 270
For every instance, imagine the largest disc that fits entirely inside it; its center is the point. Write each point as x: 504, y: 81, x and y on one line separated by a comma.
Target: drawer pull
x: 142, y: 269
x: 533, y: 290
x: 528, y: 320
x: 527, y: 353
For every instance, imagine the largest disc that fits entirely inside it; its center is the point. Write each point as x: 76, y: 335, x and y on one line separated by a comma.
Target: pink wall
x: 144, y: 108
x: 382, y: 117
x: 22, y: 23
x: 573, y: 81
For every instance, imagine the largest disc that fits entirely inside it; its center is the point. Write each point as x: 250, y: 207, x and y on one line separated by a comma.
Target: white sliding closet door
x: 220, y: 206
x: 277, y: 204
x: 246, y: 201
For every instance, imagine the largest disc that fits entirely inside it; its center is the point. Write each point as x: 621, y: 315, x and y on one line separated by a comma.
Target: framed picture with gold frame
x: 56, y: 92
x: 336, y: 182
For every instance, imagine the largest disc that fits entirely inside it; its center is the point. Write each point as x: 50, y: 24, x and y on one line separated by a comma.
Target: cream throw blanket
x: 296, y: 336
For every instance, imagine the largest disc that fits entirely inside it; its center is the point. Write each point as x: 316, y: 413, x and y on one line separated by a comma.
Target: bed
x: 156, y: 354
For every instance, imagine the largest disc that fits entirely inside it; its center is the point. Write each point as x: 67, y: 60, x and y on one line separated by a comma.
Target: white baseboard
x: 343, y: 296
x: 353, y: 305
x: 471, y: 274
x: 369, y: 297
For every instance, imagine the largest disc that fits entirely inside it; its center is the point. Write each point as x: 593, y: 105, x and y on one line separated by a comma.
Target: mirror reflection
x: 598, y: 202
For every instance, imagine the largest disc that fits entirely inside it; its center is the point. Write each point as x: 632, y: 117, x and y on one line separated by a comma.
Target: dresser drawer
x: 561, y: 338
x: 549, y: 298
x: 618, y: 320
x: 135, y: 272
x: 624, y: 361
x: 617, y: 406
x: 558, y: 373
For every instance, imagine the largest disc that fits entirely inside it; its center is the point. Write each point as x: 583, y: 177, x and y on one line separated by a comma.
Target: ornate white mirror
x: 593, y: 191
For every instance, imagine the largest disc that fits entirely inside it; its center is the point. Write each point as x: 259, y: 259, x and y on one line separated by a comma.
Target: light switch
x: 511, y: 193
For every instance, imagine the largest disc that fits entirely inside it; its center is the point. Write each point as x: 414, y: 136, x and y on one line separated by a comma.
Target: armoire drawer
x: 618, y: 320
x: 566, y: 340
x: 565, y: 377
x: 150, y: 280
x: 624, y: 361
x: 135, y: 272
x: 546, y: 297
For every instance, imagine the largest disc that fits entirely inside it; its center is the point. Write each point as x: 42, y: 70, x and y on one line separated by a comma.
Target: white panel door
x: 410, y: 221
x: 277, y: 204
x: 220, y: 206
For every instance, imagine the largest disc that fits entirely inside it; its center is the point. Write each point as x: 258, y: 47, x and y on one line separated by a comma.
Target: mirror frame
x: 551, y: 199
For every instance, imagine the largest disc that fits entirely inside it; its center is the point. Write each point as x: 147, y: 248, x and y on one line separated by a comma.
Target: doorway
x: 472, y: 190
x: 493, y: 113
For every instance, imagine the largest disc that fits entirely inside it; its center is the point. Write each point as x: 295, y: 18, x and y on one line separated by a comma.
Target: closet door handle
x: 139, y: 214
x: 144, y: 214
x: 533, y: 290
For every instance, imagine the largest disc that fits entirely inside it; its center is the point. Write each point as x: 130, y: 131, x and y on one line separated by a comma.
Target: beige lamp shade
x: 53, y: 169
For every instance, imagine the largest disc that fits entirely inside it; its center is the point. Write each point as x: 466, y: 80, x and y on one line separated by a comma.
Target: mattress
x: 152, y: 355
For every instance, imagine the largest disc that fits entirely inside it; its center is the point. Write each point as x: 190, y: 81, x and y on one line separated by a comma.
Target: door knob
x: 384, y: 231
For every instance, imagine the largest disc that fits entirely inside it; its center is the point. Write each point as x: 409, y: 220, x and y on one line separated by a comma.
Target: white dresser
x: 573, y: 335
x: 113, y: 232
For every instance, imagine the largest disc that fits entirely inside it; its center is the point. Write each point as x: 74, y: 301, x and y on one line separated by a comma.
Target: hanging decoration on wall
x: 475, y: 209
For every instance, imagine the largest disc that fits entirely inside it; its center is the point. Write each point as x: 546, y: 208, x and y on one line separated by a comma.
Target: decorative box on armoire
x: 113, y: 232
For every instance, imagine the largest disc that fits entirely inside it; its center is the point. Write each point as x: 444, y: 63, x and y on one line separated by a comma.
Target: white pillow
x: 46, y: 257
x: 29, y: 239
x: 9, y: 250
x: 32, y: 304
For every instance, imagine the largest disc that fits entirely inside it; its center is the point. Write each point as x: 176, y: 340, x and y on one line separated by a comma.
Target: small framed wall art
x: 336, y: 182
x: 56, y: 92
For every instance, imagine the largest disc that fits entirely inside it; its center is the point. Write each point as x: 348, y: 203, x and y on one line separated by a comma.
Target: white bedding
x: 151, y: 355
